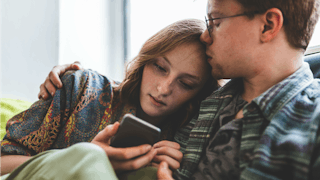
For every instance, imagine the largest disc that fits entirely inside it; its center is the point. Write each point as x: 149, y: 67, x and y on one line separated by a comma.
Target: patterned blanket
x: 83, y: 107
x: 8, y: 108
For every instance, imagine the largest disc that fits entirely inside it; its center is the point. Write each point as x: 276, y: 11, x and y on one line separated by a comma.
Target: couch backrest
x: 314, y: 61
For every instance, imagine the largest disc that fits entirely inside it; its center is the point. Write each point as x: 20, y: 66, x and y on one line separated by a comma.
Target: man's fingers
x: 50, y: 88
x: 59, y: 70
x: 43, y: 94
x: 77, y: 65
x: 53, y: 81
x: 164, y: 173
x: 74, y: 66
x: 66, y: 67
x: 128, y: 153
x: 55, y: 75
x: 133, y: 164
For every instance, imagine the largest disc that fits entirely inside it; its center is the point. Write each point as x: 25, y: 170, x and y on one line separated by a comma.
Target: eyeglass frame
x: 209, y: 28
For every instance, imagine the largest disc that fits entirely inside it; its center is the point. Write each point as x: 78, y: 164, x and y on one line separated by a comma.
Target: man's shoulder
x: 310, y: 94
x: 306, y: 103
x: 314, y: 88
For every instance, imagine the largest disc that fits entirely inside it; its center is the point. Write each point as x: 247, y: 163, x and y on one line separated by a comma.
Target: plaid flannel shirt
x: 280, y: 133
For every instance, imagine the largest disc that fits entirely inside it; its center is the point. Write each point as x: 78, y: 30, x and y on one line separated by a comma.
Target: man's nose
x: 205, y: 38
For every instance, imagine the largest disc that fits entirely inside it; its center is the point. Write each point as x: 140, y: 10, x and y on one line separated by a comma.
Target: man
x: 264, y: 123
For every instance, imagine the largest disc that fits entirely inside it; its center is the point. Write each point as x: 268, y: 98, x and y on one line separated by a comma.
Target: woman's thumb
x: 108, y: 132
x: 164, y: 173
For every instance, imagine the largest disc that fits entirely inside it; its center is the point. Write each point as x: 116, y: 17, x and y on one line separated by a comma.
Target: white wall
x: 39, y: 34
x: 148, y: 17
x: 91, y: 32
x: 29, y: 45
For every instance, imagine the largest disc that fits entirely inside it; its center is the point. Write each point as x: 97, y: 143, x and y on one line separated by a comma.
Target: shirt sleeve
x: 62, y: 120
x: 315, y: 158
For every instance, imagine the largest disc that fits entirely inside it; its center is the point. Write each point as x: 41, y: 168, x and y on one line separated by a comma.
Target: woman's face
x: 170, y: 81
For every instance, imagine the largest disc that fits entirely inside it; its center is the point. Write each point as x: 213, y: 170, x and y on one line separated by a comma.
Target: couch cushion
x: 314, y: 62
x: 9, y: 108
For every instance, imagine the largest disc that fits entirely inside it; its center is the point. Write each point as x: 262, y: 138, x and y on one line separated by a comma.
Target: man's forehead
x: 222, y: 7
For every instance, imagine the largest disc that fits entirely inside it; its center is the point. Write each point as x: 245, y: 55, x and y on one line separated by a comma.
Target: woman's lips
x: 209, y: 58
x: 156, y: 102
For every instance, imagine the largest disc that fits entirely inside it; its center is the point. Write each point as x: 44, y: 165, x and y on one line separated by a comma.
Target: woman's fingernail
x: 163, y: 165
x: 148, y: 147
x: 155, y: 145
x: 52, y: 94
x: 110, y: 126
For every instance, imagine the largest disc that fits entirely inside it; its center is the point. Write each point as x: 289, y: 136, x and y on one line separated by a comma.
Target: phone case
x: 134, y: 131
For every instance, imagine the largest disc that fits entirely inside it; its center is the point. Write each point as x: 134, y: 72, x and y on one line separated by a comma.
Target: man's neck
x: 269, y: 76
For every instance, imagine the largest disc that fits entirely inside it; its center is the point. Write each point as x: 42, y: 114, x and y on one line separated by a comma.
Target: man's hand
x: 123, y: 159
x: 53, y: 81
x: 167, y: 151
x: 164, y: 173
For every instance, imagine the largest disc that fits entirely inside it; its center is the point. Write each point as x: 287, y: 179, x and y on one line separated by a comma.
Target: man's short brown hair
x: 300, y: 17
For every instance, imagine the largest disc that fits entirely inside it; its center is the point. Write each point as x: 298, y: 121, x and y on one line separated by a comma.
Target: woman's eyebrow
x: 185, y: 74
x: 166, y: 59
x: 191, y: 76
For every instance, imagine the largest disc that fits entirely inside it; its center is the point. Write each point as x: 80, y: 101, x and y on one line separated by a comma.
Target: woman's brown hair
x: 181, y: 32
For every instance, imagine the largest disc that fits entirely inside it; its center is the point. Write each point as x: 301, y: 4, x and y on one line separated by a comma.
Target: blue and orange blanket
x: 83, y: 107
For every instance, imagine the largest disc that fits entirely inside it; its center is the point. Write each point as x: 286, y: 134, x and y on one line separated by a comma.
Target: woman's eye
x: 185, y: 85
x: 159, y: 67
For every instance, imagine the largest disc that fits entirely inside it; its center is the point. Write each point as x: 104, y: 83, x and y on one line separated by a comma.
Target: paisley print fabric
x: 85, y: 105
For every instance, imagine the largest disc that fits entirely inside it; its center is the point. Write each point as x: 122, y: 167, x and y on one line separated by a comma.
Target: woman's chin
x: 154, y: 113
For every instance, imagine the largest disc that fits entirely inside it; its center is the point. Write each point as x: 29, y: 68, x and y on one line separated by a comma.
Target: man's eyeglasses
x: 210, y: 28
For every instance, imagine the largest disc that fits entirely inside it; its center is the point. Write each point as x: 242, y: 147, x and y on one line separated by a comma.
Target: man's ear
x: 272, y: 24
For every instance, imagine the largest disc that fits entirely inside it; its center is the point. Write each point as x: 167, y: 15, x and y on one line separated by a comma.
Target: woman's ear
x: 272, y: 23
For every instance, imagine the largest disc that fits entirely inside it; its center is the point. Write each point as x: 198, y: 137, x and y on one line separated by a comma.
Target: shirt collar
x: 278, y: 95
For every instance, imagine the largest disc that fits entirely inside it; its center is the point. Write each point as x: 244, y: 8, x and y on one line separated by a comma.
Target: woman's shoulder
x: 86, y: 75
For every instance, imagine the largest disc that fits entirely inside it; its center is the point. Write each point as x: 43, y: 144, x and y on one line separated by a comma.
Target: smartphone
x: 134, y: 131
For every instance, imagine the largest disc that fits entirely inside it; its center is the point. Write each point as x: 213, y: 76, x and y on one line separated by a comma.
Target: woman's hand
x: 164, y: 173
x: 123, y: 159
x: 53, y: 81
x: 169, y: 152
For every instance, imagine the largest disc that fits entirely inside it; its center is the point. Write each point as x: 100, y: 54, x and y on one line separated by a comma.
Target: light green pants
x: 81, y: 161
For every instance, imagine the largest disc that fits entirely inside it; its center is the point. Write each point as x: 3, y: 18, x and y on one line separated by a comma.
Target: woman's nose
x: 205, y: 38
x: 165, y: 87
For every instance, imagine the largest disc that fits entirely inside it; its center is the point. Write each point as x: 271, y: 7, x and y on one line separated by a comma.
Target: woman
x: 164, y: 85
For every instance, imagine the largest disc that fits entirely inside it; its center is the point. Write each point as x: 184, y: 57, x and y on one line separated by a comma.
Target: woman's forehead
x: 188, y: 58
